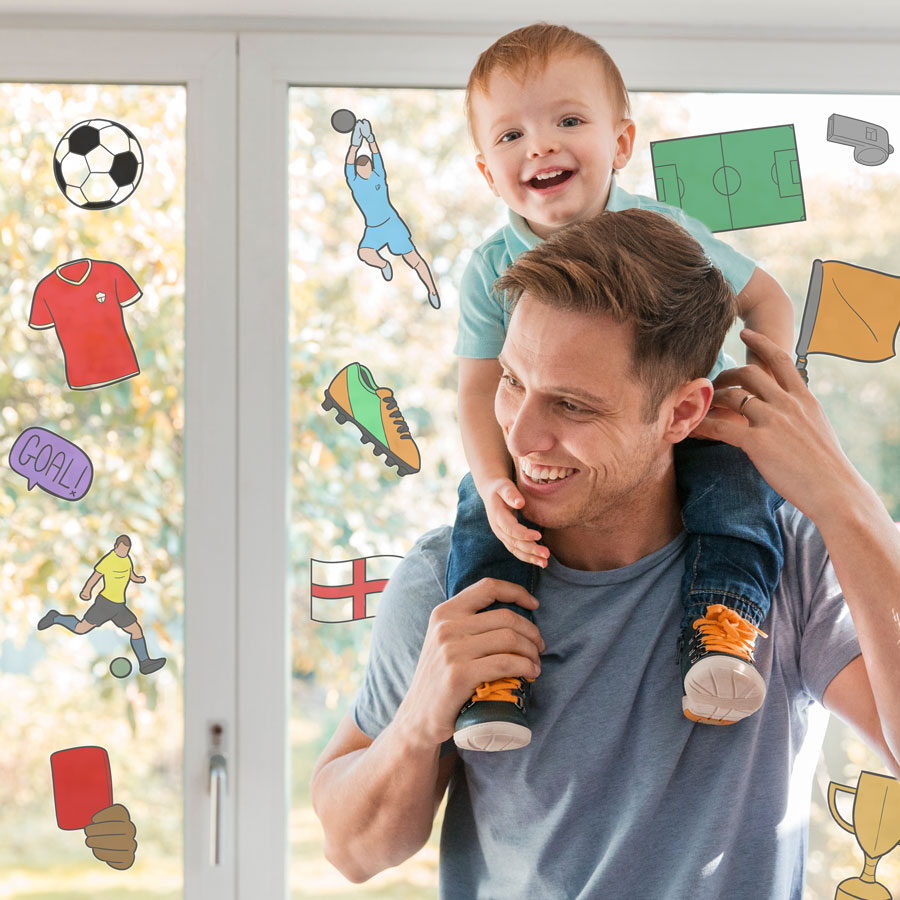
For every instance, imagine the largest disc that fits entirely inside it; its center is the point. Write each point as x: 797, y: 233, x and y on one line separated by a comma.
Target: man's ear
x: 624, y: 143
x: 483, y: 168
x: 686, y: 407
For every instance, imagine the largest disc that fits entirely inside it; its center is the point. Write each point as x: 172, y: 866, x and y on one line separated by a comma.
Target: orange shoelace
x: 501, y: 689
x: 725, y: 631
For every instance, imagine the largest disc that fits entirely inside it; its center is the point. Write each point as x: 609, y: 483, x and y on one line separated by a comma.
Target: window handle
x: 218, y: 785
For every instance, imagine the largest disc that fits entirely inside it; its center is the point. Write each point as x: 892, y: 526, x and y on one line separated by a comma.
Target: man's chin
x: 546, y: 512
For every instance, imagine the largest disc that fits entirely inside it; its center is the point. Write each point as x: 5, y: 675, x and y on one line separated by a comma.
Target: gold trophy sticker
x: 876, y: 826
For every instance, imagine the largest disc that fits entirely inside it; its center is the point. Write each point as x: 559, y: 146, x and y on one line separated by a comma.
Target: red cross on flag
x: 347, y: 590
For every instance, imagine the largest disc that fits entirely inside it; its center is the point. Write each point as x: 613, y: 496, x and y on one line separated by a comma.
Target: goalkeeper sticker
x: 368, y: 184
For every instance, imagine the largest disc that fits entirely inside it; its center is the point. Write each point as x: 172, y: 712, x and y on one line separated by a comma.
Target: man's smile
x: 543, y: 476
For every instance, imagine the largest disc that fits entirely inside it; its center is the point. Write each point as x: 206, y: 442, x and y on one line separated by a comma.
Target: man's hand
x: 366, y: 130
x: 356, y: 136
x: 773, y: 417
x: 464, y: 647
x: 501, y: 498
x: 85, y: 594
x: 111, y: 836
x: 140, y: 579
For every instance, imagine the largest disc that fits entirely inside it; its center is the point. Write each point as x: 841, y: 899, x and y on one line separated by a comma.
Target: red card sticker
x: 82, y: 785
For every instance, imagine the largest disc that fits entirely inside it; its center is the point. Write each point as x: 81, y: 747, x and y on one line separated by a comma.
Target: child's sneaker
x: 373, y: 410
x: 720, y: 683
x: 496, y: 717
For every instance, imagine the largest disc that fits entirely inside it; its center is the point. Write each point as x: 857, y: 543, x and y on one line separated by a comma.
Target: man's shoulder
x: 414, y: 589
x: 420, y: 575
x: 432, y: 547
x: 799, y: 532
x: 807, y: 570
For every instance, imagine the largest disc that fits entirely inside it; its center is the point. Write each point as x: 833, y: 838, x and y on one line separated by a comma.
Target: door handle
x: 218, y: 785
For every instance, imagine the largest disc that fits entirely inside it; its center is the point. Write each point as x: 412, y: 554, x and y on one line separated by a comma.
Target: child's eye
x: 508, y: 136
x: 570, y: 121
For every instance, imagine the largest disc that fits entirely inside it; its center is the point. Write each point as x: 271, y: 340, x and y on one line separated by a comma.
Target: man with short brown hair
x: 603, y: 266
x: 618, y: 794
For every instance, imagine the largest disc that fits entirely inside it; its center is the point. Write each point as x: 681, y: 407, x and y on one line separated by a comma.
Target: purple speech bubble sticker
x: 52, y: 463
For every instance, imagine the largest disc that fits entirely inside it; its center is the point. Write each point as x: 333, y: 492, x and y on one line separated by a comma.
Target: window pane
x: 56, y: 687
x: 347, y: 504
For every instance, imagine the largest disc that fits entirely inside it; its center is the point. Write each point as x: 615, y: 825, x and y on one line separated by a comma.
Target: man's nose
x: 529, y: 430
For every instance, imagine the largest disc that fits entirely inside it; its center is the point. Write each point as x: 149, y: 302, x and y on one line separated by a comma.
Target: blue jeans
x: 734, y: 548
x: 476, y: 552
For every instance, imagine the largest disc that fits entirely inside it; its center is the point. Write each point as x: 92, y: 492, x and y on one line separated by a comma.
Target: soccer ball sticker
x: 98, y: 164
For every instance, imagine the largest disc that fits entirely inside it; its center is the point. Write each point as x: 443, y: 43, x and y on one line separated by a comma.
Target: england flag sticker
x: 347, y: 590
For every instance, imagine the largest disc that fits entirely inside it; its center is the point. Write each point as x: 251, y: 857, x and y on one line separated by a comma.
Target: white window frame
x: 206, y: 64
x: 269, y: 65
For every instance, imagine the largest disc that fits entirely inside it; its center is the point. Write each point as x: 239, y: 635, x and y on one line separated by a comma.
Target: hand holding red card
x: 82, y: 795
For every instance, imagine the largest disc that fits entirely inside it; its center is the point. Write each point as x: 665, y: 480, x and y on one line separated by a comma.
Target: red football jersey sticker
x: 82, y: 785
x: 83, y: 300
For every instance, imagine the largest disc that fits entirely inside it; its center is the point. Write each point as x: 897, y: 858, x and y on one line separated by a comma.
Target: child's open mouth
x: 550, y: 179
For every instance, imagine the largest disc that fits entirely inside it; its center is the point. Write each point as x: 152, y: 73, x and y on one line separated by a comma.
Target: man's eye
x: 570, y: 121
x: 508, y: 136
x: 571, y: 407
x: 510, y: 381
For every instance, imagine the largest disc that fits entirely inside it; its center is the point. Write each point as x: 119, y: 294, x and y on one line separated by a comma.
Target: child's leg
x: 734, y: 559
x: 496, y: 716
x: 735, y: 551
x: 476, y: 552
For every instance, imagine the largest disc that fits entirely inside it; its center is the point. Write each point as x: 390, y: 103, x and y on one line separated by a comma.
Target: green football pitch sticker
x: 734, y: 179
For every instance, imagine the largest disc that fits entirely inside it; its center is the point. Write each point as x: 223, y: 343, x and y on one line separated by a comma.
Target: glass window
x: 347, y: 504
x: 57, y: 690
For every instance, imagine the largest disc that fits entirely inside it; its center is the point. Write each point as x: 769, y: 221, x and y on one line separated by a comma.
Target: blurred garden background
x: 55, y: 688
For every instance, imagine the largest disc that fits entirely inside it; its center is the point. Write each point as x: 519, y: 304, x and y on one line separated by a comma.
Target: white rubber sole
x: 722, y: 690
x: 490, y: 737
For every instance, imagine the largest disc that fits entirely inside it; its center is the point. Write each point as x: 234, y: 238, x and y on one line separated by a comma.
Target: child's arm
x: 767, y: 309
x: 489, y: 460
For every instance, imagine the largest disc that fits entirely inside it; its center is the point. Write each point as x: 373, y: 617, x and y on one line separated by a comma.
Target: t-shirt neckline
x: 625, y: 573
x: 74, y: 262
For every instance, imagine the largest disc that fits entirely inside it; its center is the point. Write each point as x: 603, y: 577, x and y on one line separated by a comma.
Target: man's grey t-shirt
x: 618, y: 794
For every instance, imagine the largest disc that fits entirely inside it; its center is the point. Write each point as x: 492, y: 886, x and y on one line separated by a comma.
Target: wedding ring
x: 745, y: 401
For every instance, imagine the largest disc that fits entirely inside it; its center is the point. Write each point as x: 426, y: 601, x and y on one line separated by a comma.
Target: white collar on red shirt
x: 74, y: 262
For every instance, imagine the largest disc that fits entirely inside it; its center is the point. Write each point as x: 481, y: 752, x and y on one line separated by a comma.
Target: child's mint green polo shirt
x: 483, y: 320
